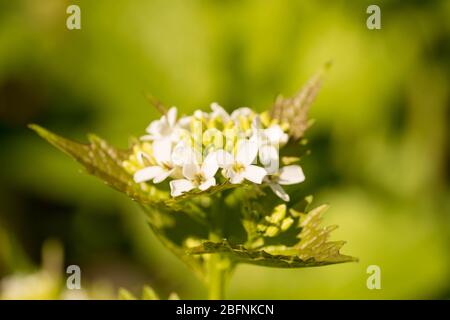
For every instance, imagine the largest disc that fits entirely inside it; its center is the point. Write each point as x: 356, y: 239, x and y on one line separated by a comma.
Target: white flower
x: 268, y: 141
x: 197, y: 176
x: 276, y: 135
x: 176, y: 153
x: 183, y: 153
x: 162, y: 152
x: 164, y: 128
x: 273, y: 135
x: 286, y: 176
x: 240, y: 167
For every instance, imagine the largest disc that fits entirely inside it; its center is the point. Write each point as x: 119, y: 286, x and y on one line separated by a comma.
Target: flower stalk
x: 218, y: 270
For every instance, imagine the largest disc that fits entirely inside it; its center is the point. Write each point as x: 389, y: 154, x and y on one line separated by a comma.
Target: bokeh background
x: 380, y: 144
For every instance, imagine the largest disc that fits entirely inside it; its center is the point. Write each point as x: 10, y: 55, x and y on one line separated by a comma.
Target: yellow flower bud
x: 278, y: 214
x: 272, y: 231
x: 286, y: 223
x: 129, y: 167
x: 285, y: 126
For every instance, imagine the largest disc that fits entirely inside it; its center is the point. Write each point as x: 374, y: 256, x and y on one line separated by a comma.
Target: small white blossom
x: 276, y: 135
x: 164, y: 128
x: 269, y: 141
x: 273, y: 135
x: 196, y: 176
x: 175, y: 150
x: 286, y: 176
x: 183, y: 153
x: 240, y: 167
x: 162, y: 152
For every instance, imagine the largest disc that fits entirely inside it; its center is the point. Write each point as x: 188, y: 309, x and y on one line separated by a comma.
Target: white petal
x: 177, y: 187
x: 162, y: 176
x: 269, y: 158
x: 182, y: 154
x: 155, y: 127
x: 162, y: 150
x: 276, y: 135
x: 254, y: 173
x: 216, y: 107
x: 172, y: 116
x: 255, y: 137
x: 220, y: 112
x: 279, y: 191
x: 246, y: 152
x: 147, y: 174
x: 235, y: 178
x: 147, y: 137
x: 207, y: 184
x: 184, y: 122
x: 224, y: 158
x: 244, y: 111
x: 291, y: 175
x: 256, y: 123
x: 209, y: 165
x: 190, y: 170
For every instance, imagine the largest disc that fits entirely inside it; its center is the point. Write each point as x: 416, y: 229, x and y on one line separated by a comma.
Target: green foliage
x: 99, y: 159
x: 382, y: 133
x: 310, y: 248
x: 234, y: 223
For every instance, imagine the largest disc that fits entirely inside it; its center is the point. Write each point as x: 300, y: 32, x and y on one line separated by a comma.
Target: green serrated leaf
x: 313, y: 248
x: 175, y: 220
x: 301, y: 206
x: 103, y: 161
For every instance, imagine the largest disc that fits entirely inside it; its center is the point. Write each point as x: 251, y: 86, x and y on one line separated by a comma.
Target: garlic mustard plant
x: 220, y: 188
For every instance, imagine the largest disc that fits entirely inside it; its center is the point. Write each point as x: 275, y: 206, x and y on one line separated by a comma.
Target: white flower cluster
x: 192, y: 150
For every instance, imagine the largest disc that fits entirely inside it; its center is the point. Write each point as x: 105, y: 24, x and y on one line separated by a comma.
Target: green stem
x: 218, y: 264
x: 217, y: 277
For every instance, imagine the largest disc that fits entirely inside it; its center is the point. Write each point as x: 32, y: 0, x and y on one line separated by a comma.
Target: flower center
x: 238, y: 167
x: 166, y: 166
x: 199, y: 178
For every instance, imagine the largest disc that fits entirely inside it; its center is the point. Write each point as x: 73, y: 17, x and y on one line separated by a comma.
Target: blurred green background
x: 380, y: 145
